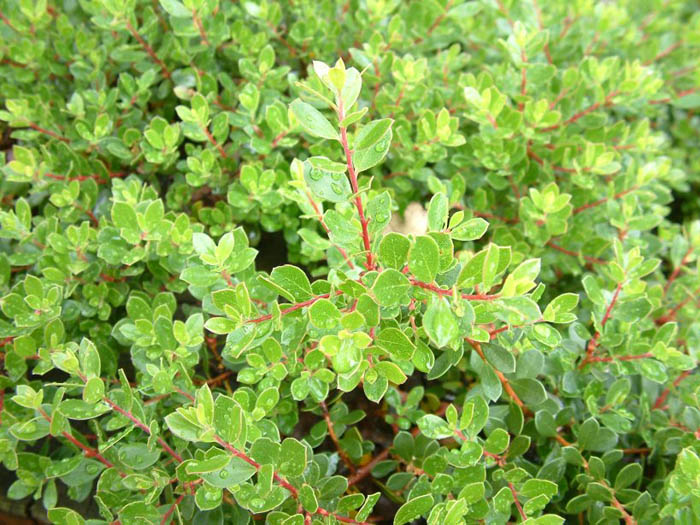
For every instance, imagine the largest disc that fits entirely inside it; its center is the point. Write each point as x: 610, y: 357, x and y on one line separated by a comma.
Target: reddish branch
x: 538, y: 12
x: 588, y: 258
x: 353, y: 182
x: 143, y: 427
x: 680, y: 94
x: 502, y: 378
x: 517, y: 502
x: 662, y: 54
x: 198, y: 23
x: 7, y: 21
x: 281, y: 481
x: 677, y: 270
x: 583, y: 113
x: 48, y: 132
x: 442, y: 291
x: 661, y: 400
x: 593, y: 343
x: 294, y: 307
x: 87, y: 451
x: 366, y: 469
x: 609, y: 359
x: 319, y: 216
x: 672, y: 313
x: 534, y: 156
x: 166, y: 516
x: 148, y: 49
x: 213, y: 141
x: 436, y: 23
x: 80, y: 178
x: 334, y: 438
x: 604, y: 200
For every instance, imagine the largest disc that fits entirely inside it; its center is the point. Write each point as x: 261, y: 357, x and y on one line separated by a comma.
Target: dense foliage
x: 207, y: 317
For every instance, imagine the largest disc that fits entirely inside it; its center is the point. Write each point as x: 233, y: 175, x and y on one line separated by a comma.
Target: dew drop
x: 223, y: 474
x: 93, y: 469
x: 380, y: 146
x: 336, y: 188
x: 257, y: 502
x: 315, y: 174
x: 336, y: 176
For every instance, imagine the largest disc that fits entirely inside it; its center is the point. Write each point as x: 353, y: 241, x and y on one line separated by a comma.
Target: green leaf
x: 294, y: 459
x: 413, y: 509
x: 364, y: 159
x: 324, y: 314
x: 470, y: 230
x: 424, y: 259
x: 393, y: 250
x: 396, y: 343
x: 332, y: 186
x: 497, y: 442
x: 293, y: 283
x: 372, y: 133
x: 440, y: 323
x: 312, y: 120
x: 391, y: 288
x: 628, y: 475
x: 438, y: 210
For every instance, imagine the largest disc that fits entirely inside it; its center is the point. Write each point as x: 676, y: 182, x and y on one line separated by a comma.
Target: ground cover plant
x: 209, y: 314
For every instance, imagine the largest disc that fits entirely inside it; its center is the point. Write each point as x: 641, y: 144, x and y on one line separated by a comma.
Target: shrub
x: 205, y: 315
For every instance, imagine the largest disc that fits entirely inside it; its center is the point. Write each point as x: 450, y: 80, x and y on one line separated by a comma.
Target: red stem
x: 442, y: 291
x: 88, y: 451
x: 517, y: 503
x: 294, y: 307
x: 609, y: 359
x: 143, y: 427
x: 93, y: 176
x: 670, y: 49
x: 319, y: 216
x: 588, y: 258
x: 148, y: 49
x: 213, y: 141
x: 604, y: 200
x: 661, y: 400
x: 677, y: 270
x: 583, y: 113
x: 166, y: 516
x: 48, y: 132
x: 593, y: 343
x: 353, y: 182
x: 200, y: 27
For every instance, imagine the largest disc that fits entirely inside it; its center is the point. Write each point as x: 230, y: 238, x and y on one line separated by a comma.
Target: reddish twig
x: 166, y: 516
x: 517, y: 502
x: 81, y: 178
x: 661, y: 400
x: 294, y: 307
x: 587, y: 258
x: 143, y: 427
x: 331, y: 432
x: 677, y: 270
x: 148, y: 49
x: 664, y: 53
x: 48, y: 132
x: 200, y: 27
x: 583, y: 113
x: 319, y: 216
x: 353, y: 182
x: 502, y: 378
x: 442, y: 291
x: 593, y: 343
x: 604, y: 200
